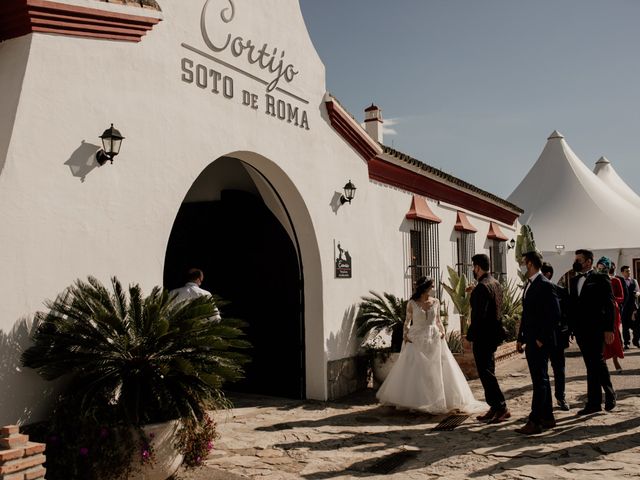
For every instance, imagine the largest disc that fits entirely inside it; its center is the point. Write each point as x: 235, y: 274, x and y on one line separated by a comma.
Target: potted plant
x: 381, y: 315
x: 511, y: 309
x: 138, y: 370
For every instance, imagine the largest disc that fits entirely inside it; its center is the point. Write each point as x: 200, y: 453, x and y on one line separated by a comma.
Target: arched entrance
x: 233, y: 225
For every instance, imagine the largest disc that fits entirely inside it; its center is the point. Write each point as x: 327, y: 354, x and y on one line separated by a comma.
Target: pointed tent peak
x: 555, y: 134
x: 603, y: 160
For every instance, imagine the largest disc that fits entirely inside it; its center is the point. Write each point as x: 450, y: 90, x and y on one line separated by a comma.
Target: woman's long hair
x: 422, y: 285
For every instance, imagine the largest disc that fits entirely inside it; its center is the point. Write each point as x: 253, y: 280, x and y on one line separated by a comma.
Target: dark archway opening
x: 250, y: 261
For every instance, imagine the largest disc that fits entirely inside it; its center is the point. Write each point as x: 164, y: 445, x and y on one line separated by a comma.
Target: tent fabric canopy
x: 567, y: 204
x: 420, y: 210
x: 605, y: 172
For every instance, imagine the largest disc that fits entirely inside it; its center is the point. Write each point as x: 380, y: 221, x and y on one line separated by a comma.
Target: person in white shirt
x: 192, y: 289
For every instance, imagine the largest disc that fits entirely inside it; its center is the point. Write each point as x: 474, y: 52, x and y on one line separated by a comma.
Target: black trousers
x: 484, y: 357
x: 598, y: 379
x: 629, y: 326
x: 541, y: 405
x: 556, y: 355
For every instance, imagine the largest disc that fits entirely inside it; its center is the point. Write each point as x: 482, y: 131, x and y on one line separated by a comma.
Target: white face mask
x: 524, y: 269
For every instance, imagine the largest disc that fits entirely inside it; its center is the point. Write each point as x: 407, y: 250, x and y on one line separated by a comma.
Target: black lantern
x: 111, y: 141
x: 349, y: 193
x: 512, y: 243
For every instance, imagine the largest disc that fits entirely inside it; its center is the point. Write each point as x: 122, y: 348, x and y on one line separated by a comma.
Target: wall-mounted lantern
x: 111, y: 141
x: 512, y: 244
x: 349, y: 193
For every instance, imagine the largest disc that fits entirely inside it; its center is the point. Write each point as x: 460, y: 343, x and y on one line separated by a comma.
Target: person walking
x: 193, y: 289
x: 486, y: 332
x: 556, y: 355
x: 629, y: 326
x: 426, y: 377
x: 614, y: 350
x: 591, y: 315
x: 538, y: 326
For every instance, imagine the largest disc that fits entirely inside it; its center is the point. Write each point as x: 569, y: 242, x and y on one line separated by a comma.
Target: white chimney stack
x: 373, y: 122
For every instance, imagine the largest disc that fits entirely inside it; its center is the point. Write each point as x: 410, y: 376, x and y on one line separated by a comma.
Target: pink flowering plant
x: 196, y: 439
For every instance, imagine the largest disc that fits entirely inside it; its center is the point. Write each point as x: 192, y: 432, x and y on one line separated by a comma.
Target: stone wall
x: 20, y: 459
x: 346, y: 376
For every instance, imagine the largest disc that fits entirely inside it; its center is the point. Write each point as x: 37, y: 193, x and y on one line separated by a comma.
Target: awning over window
x: 463, y: 224
x: 420, y: 210
x: 495, y: 233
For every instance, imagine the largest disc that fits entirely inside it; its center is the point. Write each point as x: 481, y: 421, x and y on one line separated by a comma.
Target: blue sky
x: 476, y: 87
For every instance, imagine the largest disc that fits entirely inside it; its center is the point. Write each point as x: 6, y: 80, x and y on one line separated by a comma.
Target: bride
x: 426, y: 377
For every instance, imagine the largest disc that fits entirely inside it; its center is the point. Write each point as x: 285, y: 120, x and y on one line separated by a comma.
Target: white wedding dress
x: 426, y: 377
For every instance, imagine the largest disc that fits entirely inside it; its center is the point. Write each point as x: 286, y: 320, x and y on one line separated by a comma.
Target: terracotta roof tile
x: 450, y: 178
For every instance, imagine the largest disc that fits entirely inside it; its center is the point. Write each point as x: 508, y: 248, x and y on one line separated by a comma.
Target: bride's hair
x: 422, y: 285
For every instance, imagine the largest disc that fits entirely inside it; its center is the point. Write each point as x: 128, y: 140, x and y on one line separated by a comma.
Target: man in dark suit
x: 540, y: 320
x: 629, y: 308
x: 556, y: 356
x: 486, y: 332
x: 591, y: 317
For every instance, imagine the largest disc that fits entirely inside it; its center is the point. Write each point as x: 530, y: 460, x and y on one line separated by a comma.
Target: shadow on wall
x: 346, y: 372
x: 83, y: 160
x: 23, y: 395
x: 335, y: 202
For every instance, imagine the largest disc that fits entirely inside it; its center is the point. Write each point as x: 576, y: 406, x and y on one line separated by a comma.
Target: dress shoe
x: 530, y: 428
x: 500, y: 416
x: 564, y: 405
x: 485, y: 417
x: 551, y: 423
x: 588, y: 410
x: 610, y: 405
x: 626, y: 346
x: 636, y: 343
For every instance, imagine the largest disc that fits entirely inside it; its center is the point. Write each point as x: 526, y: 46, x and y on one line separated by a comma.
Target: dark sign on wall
x: 343, y: 263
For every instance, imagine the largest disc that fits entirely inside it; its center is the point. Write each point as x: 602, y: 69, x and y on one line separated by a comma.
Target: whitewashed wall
x: 63, y: 217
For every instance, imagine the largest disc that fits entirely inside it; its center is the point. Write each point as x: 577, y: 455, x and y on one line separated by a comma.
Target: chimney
x: 373, y: 122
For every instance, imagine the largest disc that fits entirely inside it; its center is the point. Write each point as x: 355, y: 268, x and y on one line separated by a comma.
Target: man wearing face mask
x: 591, y: 317
x: 486, y: 332
x: 540, y: 317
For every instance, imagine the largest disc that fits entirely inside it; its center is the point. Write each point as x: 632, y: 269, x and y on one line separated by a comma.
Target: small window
x: 465, y: 249
x: 425, y: 252
x: 498, y: 256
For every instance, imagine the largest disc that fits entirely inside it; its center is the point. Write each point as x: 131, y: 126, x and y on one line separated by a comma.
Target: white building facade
x: 234, y: 160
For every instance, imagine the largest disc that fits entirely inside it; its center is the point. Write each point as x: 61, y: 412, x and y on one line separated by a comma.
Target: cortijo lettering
x: 267, y: 58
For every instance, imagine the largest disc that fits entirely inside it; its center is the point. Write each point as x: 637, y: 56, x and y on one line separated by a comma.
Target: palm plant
x: 379, y: 312
x: 457, y: 290
x: 149, y: 359
x: 511, y: 308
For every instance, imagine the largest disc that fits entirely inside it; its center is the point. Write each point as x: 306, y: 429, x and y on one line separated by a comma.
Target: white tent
x: 569, y: 207
x: 605, y: 172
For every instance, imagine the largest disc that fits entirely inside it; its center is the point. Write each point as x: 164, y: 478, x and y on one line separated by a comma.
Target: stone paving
x: 270, y: 438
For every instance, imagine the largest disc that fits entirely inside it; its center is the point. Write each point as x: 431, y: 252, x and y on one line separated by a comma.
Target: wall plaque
x: 343, y: 263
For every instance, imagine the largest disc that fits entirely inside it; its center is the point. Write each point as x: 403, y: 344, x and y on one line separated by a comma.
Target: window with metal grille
x: 425, y: 252
x: 498, y: 257
x: 465, y: 249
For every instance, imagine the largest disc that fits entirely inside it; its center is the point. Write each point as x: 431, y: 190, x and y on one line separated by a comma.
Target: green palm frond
x: 151, y: 357
x: 381, y: 311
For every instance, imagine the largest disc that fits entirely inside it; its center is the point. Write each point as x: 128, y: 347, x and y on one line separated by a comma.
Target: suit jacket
x: 540, y: 313
x: 486, y: 313
x: 591, y: 312
x: 630, y: 301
